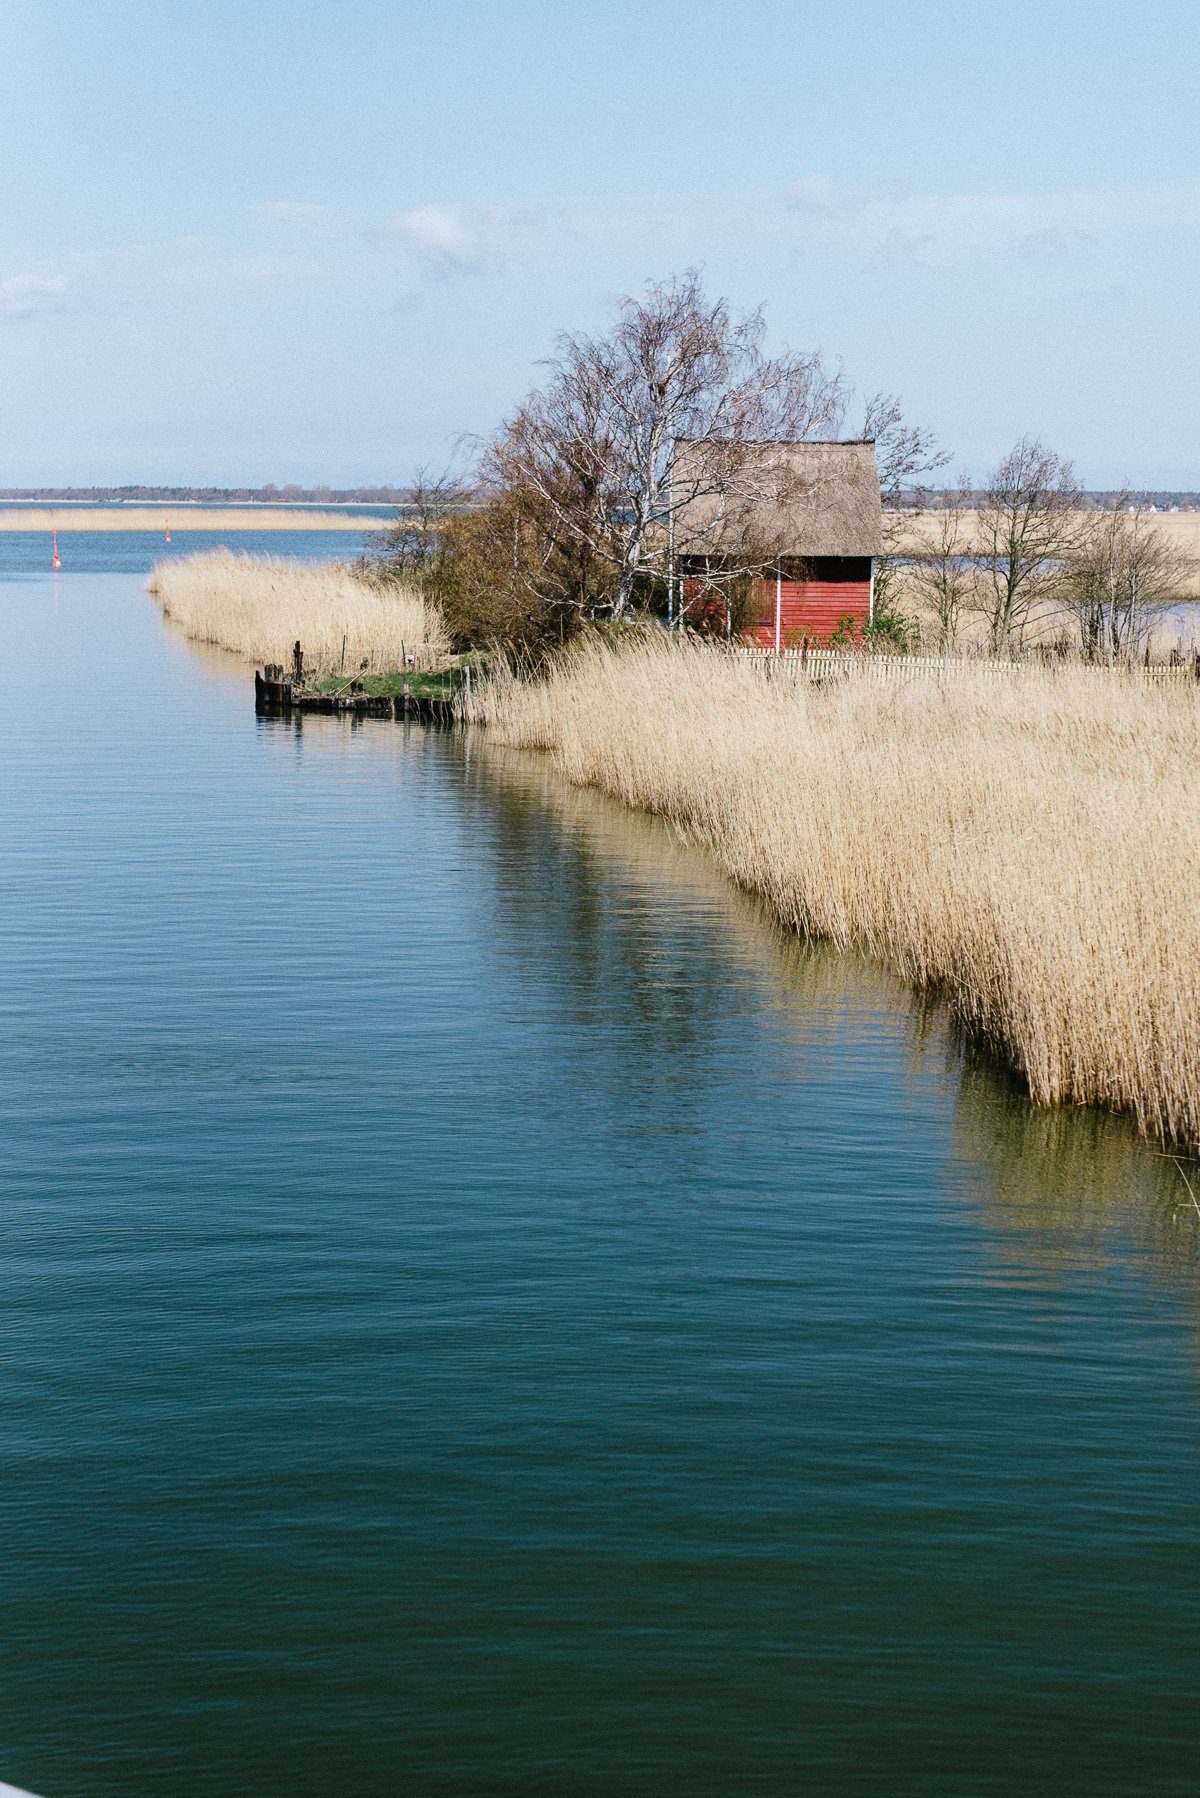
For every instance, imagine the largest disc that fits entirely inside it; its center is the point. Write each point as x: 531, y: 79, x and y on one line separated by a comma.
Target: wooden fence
x: 821, y: 664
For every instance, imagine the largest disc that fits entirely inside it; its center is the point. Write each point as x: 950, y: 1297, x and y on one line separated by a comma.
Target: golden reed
x: 257, y: 606
x: 1029, y: 844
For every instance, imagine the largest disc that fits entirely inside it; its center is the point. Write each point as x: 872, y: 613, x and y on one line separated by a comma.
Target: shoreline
x: 977, y: 838
x: 185, y: 517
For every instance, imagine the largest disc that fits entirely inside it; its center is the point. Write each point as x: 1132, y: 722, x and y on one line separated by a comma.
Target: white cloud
x: 1104, y: 297
x: 201, y: 262
x: 442, y: 234
x: 881, y: 226
x: 468, y: 237
x: 294, y: 212
x: 887, y: 223
x: 822, y: 194
x: 25, y: 296
x: 900, y: 249
x: 1050, y: 244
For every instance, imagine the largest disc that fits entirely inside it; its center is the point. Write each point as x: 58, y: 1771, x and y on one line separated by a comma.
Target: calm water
x: 135, y: 552
x: 484, y: 1313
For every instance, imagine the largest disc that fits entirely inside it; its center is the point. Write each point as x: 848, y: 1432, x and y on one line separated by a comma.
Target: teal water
x: 482, y: 1311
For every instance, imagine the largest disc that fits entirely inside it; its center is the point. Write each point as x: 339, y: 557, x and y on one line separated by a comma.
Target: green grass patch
x: 424, y: 683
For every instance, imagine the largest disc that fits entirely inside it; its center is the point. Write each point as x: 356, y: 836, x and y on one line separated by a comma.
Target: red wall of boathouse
x: 813, y: 601
x: 814, y: 598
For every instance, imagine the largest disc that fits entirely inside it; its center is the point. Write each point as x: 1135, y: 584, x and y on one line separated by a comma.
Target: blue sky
x: 319, y: 242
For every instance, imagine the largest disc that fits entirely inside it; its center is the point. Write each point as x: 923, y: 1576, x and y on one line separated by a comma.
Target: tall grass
x: 258, y: 606
x: 1029, y: 846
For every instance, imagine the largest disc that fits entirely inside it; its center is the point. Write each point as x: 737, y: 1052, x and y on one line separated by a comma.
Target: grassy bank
x: 1028, y: 846
x: 446, y: 682
x: 257, y: 606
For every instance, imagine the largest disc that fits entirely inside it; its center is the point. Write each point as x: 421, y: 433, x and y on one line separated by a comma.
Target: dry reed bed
x: 1030, y: 846
x: 1180, y: 529
x: 257, y: 606
x: 181, y: 518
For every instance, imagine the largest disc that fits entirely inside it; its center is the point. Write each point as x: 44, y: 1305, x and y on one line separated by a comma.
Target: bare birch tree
x: 1028, y: 526
x: 944, y: 574
x: 906, y: 456
x: 1124, y: 576
x: 596, y: 452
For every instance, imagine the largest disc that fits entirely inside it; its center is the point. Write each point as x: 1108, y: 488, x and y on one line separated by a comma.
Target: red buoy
x: 166, y: 529
x: 57, y: 562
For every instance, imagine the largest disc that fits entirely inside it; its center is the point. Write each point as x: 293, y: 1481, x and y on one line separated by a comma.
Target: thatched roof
x: 794, y: 499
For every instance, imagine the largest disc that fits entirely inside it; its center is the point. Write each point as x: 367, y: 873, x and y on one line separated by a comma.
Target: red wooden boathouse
x: 802, y: 522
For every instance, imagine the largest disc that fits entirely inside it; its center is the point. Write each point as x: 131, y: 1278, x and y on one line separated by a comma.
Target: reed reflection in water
x: 485, y: 1310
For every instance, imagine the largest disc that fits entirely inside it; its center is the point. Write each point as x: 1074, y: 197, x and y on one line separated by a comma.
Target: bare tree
x: 1028, y: 525
x: 722, y: 595
x: 597, y: 452
x: 944, y: 574
x: 414, y: 543
x: 1124, y: 575
x: 906, y: 456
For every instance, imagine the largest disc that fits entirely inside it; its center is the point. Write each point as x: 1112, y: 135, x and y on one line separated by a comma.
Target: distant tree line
x: 268, y: 495
x: 291, y: 494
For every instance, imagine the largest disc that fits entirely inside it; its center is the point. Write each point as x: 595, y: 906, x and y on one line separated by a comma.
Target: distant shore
x: 190, y: 517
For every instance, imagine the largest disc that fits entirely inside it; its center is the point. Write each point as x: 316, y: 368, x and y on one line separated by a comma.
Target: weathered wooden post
x: 271, y: 688
x: 297, y: 663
